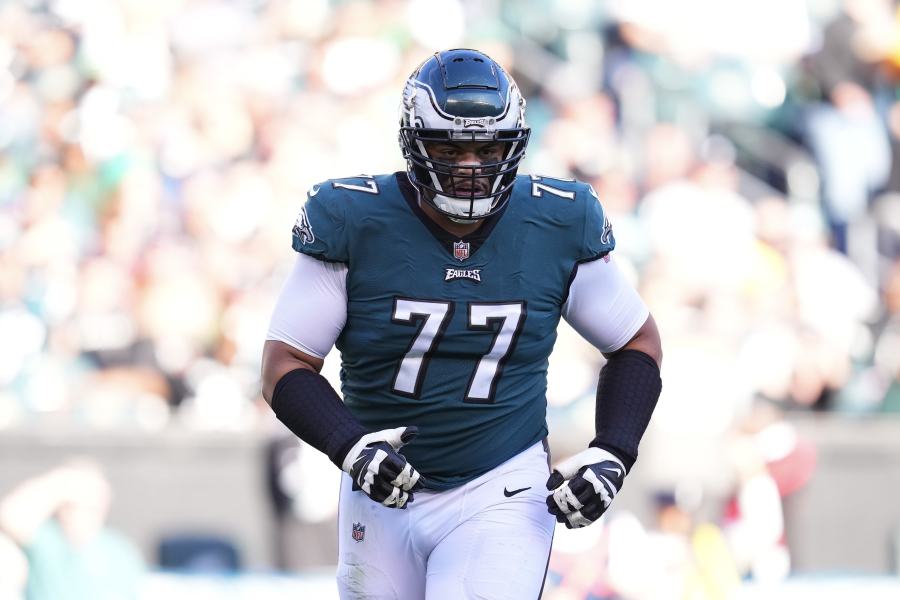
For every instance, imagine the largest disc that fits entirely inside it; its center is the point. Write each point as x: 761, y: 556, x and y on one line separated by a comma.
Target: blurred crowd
x: 153, y: 156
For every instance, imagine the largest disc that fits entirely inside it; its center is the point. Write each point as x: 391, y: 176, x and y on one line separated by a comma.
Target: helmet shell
x: 462, y: 95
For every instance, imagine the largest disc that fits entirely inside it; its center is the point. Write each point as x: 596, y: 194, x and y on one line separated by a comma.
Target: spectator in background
x: 302, y: 513
x: 674, y: 558
x: 771, y: 461
x: 845, y: 133
x: 58, y: 519
x: 14, y: 570
x: 887, y: 345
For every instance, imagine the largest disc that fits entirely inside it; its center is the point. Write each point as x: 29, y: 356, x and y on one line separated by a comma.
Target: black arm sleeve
x: 307, y: 404
x: 626, y: 396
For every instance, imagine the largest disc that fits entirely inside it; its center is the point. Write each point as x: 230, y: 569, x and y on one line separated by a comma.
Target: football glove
x: 378, y: 469
x: 583, y: 487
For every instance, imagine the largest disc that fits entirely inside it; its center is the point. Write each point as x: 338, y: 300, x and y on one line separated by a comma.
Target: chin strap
x: 463, y: 221
x: 446, y: 204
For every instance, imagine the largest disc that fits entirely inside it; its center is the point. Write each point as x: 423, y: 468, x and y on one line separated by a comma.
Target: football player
x: 442, y: 287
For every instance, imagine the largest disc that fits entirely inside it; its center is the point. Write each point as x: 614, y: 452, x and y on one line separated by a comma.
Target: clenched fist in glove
x: 379, y: 470
x: 583, y: 487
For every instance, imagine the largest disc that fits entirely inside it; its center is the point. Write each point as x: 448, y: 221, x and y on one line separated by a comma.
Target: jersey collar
x: 446, y: 239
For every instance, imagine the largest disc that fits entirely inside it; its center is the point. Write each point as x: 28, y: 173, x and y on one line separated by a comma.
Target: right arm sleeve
x: 312, y: 308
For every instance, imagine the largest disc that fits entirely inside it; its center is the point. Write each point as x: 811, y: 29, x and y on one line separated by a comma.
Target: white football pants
x: 488, y: 539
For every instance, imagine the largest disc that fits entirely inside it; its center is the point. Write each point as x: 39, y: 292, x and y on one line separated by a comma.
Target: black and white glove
x: 583, y: 486
x: 379, y: 470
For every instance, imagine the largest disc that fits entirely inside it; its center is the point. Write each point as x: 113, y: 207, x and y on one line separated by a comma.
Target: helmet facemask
x: 476, y: 105
x: 462, y: 191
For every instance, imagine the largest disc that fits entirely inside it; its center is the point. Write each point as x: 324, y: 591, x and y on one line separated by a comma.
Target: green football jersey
x: 452, y: 334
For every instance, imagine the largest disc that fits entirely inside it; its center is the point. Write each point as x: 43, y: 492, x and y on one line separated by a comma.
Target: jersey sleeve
x: 597, y: 237
x: 312, y: 307
x: 603, y: 307
x: 322, y: 229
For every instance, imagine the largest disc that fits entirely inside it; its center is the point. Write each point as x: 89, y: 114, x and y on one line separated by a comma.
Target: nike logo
x: 615, y: 470
x: 510, y: 494
x: 313, y: 191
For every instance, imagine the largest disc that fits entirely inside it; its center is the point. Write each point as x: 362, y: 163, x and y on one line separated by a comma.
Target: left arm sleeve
x: 603, y: 307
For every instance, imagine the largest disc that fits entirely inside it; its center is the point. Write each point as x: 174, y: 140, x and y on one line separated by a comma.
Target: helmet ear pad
x: 462, y: 96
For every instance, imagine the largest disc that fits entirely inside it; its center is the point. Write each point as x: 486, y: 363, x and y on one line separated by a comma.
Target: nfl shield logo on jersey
x: 359, y: 532
x: 461, y: 250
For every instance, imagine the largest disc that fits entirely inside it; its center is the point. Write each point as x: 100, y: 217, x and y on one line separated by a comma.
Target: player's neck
x: 448, y: 224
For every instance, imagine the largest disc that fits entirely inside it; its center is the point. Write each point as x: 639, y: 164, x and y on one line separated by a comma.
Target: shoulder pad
x: 324, y: 226
x: 575, y: 206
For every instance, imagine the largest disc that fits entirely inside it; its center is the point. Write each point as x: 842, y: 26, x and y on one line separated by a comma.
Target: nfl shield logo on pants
x: 359, y: 532
x: 461, y: 250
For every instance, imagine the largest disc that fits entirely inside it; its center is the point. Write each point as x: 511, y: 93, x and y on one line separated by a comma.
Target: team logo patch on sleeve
x: 460, y: 250
x: 606, y: 235
x: 359, y: 532
x: 302, y: 229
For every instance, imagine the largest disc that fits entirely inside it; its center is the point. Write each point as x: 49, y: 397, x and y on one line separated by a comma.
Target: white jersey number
x: 432, y: 319
x: 538, y: 188
x: 483, y: 317
x: 369, y: 185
